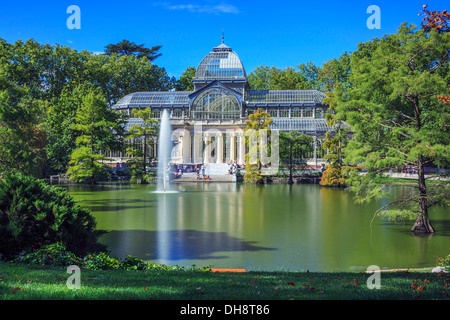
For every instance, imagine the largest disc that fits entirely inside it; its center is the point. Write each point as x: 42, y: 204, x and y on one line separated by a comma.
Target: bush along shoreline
x: 56, y: 255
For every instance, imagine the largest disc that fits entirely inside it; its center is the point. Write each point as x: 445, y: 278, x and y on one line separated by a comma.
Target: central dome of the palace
x: 221, y: 64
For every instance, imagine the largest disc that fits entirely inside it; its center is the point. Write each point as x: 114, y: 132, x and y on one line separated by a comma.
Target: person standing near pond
x: 203, y: 170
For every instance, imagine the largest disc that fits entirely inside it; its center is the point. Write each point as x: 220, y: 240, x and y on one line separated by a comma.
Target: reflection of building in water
x: 190, y: 228
x: 210, y: 119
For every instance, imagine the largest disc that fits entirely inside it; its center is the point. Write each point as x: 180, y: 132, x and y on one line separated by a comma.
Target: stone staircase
x: 216, y: 169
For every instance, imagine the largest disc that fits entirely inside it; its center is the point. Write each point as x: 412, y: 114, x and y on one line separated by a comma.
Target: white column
x: 241, y: 159
x: 186, y: 149
x: 198, y: 146
x: 232, y: 146
x: 219, y: 146
x: 207, y: 152
x: 179, y: 154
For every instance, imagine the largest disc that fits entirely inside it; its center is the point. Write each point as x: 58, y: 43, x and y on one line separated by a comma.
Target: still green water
x: 272, y: 227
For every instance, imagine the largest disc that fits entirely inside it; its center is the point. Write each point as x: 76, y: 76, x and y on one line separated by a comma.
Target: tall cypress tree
x: 100, y: 128
x: 397, y: 119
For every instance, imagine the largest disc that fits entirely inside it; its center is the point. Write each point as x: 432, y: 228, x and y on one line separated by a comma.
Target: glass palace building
x: 216, y: 111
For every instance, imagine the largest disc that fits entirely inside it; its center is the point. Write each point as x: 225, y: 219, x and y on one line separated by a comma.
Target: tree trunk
x: 143, y: 181
x: 422, y: 224
x: 92, y: 178
x: 291, y: 164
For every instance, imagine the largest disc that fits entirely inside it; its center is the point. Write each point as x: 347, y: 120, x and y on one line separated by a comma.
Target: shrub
x: 253, y: 176
x: 34, y: 214
x: 132, y: 263
x: 57, y: 255
x: 336, y: 176
x: 50, y: 255
x: 100, y: 261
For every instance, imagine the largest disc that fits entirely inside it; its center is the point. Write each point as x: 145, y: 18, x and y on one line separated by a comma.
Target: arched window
x: 250, y: 111
x: 216, y: 103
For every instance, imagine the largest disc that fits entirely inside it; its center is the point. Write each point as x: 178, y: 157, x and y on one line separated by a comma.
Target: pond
x: 263, y: 228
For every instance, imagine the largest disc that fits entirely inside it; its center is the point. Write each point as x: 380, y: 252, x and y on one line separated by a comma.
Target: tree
x: 125, y: 47
x: 147, y: 131
x: 311, y: 74
x: 185, y: 81
x: 304, y: 77
x: 100, y: 128
x: 336, y: 172
x: 43, y: 86
x: 396, y: 118
x: 119, y: 76
x: 257, y: 125
x: 22, y: 140
x: 293, y: 147
x: 60, y: 117
x: 265, y: 78
x: 334, y: 72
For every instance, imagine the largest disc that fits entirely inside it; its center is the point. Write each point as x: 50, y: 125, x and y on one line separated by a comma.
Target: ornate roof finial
x: 222, y: 35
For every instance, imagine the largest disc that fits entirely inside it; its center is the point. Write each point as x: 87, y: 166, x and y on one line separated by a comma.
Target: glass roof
x: 303, y: 124
x: 221, y: 64
x: 286, y: 96
x: 155, y: 98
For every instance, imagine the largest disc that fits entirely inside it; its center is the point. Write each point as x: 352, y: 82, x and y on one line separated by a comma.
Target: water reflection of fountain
x: 164, y: 154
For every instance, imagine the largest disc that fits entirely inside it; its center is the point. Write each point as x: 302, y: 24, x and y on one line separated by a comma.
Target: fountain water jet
x: 164, y: 153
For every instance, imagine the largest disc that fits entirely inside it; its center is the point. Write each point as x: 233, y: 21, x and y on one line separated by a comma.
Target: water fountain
x: 164, y: 153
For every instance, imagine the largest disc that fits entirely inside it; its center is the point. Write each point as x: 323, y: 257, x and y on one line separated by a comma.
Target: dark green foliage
x: 42, y: 87
x: 21, y: 138
x: 100, y: 261
x: 126, y: 47
x: 33, y: 213
x: 50, y: 255
x: 303, y: 77
x: 98, y: 128
x: 185, y: 81
x: 56, y: 255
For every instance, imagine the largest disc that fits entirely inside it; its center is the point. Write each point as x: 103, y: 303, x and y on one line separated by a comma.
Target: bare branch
x: 404, y: 115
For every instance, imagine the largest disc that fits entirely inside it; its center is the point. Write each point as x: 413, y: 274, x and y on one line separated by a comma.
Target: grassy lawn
x: 26, y: 282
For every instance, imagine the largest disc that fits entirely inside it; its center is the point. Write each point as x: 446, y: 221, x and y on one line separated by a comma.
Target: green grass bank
x: 34, y: 282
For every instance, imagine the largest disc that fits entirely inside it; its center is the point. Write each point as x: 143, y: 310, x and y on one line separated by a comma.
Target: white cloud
x: 217, y: 9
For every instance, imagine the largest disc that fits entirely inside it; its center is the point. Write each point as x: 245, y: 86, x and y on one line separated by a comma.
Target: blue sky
x: 272, y: 33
